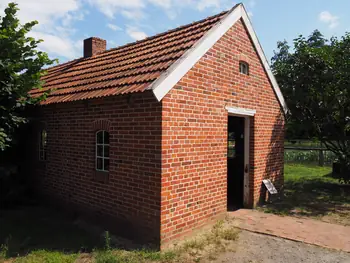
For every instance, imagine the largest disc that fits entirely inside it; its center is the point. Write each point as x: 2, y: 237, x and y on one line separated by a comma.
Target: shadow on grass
x: 30, y: 228
x: 314, y: 196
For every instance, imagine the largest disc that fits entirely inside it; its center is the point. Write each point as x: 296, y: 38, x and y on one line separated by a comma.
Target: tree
x: 315, y: 80
x: 21, y: 67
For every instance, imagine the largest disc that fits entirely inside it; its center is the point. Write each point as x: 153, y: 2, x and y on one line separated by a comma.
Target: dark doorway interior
x: 235, y: 163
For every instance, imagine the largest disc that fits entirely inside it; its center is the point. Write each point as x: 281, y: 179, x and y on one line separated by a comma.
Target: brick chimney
x: 94, y: 46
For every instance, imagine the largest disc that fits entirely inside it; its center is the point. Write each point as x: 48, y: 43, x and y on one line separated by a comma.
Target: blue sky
x: 65, y: 23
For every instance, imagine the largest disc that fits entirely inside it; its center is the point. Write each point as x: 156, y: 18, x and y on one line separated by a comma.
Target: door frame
x: 246, y: 114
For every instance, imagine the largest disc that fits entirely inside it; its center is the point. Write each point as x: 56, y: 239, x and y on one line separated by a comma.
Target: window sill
x: 101, y: 176
x: 247, y: 75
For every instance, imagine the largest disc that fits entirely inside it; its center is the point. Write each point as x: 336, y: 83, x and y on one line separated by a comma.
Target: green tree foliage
x: 314, y: 77
x: 20, y: 71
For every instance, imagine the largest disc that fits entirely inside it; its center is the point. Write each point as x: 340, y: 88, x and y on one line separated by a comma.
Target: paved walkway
x: 305, y: 230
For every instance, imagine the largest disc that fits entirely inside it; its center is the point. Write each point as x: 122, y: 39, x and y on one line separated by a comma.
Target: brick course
x: 194, y: 139
x: 132, y: 192
x: 168, y: 168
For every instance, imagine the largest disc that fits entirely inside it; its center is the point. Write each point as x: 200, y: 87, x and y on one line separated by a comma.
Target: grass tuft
x: 230, y: 234
x: 3, y: 252
x: 47, y: 257
x: 210, y: 244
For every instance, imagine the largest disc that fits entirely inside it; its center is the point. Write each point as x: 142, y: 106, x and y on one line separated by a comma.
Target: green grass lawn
x: 36, y: 234
x: 295, y: 172
x: 40, y: 234
x: 311, y: 191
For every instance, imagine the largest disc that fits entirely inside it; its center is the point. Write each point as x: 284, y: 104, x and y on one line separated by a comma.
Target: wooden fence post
x: 321, y: 156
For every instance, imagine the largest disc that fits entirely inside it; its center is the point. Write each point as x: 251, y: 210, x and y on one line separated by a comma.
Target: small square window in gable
x: 244, y: 67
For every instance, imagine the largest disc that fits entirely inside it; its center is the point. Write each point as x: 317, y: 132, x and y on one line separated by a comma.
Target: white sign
x: 269, y: 185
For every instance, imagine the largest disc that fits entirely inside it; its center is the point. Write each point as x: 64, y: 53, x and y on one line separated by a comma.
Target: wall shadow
x: 305, y: 195
x: 274, y: 161
x: 61, y: 222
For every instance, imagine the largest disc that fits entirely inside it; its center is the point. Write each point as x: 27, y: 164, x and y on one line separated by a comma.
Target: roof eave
x: 176, y: 71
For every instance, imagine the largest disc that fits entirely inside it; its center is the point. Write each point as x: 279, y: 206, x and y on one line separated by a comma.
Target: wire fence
x: 308, y: 152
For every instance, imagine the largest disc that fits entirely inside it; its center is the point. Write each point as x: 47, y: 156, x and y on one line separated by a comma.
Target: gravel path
x: 257, y: 248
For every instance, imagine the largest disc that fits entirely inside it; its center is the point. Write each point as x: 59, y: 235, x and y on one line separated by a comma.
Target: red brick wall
x: 194, y: 139
x: 132, y: 194
x: 168, y: 160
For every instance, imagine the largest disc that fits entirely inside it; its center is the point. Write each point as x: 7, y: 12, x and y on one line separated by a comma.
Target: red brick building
x: 162, y: 135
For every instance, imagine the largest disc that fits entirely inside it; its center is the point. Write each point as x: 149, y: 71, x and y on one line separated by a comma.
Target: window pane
x: 106, y: 151
x: 231, y: 149
x: 43, y: 138
x: 99, y: 163
x: 99, y: 152
x: 231, y: 135
x: 106, y: 138
x: 106, y: 164
x: 99, y: 137
x: 244, y: 68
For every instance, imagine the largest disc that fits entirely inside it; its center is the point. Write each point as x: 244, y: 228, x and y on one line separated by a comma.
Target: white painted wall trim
x: 263, y: 58
x: 240, y: 111
x: 246, y: 162
x: 176, y: 71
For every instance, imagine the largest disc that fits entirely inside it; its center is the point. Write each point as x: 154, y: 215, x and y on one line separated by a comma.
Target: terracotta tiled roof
x: 125, y: 69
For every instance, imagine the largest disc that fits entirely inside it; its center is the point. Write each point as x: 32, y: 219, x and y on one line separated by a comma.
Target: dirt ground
x: 47, y: 236
x: 257, y: 248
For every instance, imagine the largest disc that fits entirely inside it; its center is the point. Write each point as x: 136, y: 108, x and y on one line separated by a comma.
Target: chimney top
x: 94, y: 46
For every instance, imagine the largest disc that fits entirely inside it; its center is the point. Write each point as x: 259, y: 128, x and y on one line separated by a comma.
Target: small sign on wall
x: 269, y: 186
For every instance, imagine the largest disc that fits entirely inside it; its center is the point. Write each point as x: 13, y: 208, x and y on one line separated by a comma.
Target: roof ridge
x: 167, y: 32
x: 121, y: 57
x: 140, y: 41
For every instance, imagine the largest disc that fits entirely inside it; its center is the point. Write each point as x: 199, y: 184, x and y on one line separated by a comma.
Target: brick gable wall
x: 131, y: 197
x: 168, y: 160
x: 194, y: 139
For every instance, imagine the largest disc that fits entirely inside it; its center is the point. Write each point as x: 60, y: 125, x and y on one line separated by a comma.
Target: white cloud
x: 331, y: 20
x: 55, y: 19
x: 172, y: 14
x: 69, y: 18
x: 203, y: 4
x: 135, y: 9
x: 135, y: 14
x: 114, y: 27
x: 135, y: 33
x: 111, y: 7
x: 58, y: 17
x: 43, y: 10
x: 163, y: 3
x: 57, y: 46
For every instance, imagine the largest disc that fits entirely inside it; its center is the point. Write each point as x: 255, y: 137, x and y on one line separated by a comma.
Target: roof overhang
x: 176, y: 71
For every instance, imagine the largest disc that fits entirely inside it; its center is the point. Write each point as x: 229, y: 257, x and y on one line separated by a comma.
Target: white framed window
x: 102, y: 151
x: 42, y: 145
x: 244, y: 67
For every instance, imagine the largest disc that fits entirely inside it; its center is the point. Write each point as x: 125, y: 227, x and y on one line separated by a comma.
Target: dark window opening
x: 102, y: 151
x: 244, y: 67
x: 42, y: 145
